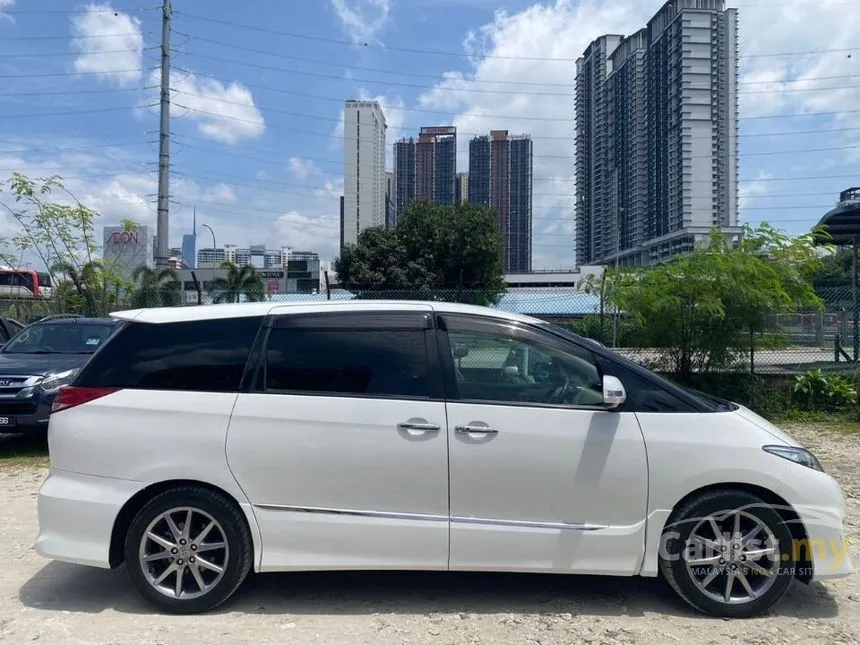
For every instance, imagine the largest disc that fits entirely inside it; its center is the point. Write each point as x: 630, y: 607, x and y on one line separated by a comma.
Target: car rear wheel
x: 728, y: 554
x: 188, y: 550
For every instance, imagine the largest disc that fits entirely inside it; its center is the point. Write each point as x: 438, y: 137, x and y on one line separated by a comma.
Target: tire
x: 687, y: 561
x: 202, y: 588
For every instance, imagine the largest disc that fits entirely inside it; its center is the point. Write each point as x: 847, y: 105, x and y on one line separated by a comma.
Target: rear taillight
x: 70, y: 397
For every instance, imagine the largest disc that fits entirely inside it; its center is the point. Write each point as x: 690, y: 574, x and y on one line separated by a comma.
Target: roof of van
x: 211, y: 312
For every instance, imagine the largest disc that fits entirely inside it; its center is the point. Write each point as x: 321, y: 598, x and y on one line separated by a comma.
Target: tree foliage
x: 705, y: 309
x: 156, y: 288
x: 240, y: 282
x: 435, y: 252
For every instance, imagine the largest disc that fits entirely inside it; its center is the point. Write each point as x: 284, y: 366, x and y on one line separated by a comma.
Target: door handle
x: 476, y: 430
x: 422, y: 427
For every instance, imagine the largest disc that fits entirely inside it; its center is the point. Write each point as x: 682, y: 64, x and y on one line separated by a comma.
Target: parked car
x: 39, y: 359
x: 200, y: 443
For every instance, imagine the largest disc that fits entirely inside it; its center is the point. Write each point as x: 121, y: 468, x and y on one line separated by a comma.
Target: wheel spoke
x: 160, y: 541
x: 698, y: 562
x: 179, y: 576
x: 754, y: 566
x: 715, y: 527
x: 162, y: 555
x: 745, y: 584
x: 749, y: 536
x: 705, y: 542
x: 736, y: 534
x: 172, y: 526
x: 195, y: 571
x: 756, y: 554
x: 186, y: 529
x: 709, y: 578
x: 199, y: 539
x: 209, y: 565
x: 211, y: 546
x: 164, y: 574
x: 730, y: 579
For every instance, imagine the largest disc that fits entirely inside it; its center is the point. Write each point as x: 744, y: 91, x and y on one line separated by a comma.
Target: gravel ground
x: 51, y: 602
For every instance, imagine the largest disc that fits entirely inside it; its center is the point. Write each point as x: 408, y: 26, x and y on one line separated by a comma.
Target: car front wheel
x: 728, y: 554
x: 188, y: 550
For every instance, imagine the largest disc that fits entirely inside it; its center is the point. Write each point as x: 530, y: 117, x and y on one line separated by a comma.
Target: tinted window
x: 501, y: 364
x: 391, y: 362
x: 207, y: 355
x: 60, y: 338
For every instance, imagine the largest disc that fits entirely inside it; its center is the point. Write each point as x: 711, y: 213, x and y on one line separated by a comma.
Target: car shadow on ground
x: 65, y: 587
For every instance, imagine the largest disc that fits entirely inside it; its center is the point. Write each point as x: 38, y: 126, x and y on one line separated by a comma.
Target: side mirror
x: 614, y: 394
x: 459, y: 350
x: 511, y: 370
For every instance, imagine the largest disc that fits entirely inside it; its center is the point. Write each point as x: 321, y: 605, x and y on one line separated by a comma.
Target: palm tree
x: 240, y: 281
x: 156, y: 288
x: 90, y: 281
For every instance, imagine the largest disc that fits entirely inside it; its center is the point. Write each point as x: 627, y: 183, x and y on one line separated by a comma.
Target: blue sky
x: 258, y: 98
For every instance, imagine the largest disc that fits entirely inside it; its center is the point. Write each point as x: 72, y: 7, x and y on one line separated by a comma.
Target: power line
x: 54, y: 74
x: 70, y: 113
x: 66, y: 148
x: 86, y: 53
x: 481, y: 81
x: 359, y: 80
x: 20, y: 12
x: 361, y: 68
x: 107, y: 90
x: 88, y: 37
x: 397, y: 108
x: 433, y: 52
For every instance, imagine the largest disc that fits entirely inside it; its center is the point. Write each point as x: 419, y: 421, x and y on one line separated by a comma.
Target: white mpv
x: 202, y: 442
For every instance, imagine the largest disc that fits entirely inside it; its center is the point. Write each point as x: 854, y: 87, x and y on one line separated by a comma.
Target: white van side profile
x: 201, y: 443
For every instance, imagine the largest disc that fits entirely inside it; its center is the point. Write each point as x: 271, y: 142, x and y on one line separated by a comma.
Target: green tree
x: 434, y: 253
x: 89, y: 289
x: 706, y: 309
x: 156, y: 288
x: 239, y: 282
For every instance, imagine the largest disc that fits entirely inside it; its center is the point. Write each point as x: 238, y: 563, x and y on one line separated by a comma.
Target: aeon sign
x: 124, y: 238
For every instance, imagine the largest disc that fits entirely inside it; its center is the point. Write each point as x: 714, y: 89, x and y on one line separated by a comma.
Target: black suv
x: 40, y: 359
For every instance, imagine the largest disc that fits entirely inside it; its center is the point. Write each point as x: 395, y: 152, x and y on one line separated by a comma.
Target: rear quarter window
x: 202, y: 356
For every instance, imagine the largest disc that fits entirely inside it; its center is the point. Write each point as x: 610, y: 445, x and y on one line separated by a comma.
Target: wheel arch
x: 137, y: 501
x: 781, y: 506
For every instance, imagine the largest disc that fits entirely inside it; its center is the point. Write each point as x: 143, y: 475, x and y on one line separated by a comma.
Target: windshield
x: 59, y: 338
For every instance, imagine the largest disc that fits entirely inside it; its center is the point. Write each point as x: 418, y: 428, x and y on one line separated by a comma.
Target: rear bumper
x: 77, y: 515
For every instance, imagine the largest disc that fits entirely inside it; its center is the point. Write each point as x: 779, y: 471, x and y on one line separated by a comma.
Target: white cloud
x: 108, y: 42
x: 309, y: 233
x: 5, y: 4
x: 362, y: 20
x: 225, y: 113
x: 222, y: 193
x: 749, y: 191
x: 302, y: 168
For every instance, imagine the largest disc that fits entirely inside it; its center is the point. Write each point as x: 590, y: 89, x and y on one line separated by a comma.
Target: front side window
x: 376, y: 362
x: 60, y: 338
x: 196, y: 356
x: 502, y: 364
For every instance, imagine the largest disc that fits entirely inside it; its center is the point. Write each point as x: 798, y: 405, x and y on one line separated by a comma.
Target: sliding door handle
x: 470, y: 429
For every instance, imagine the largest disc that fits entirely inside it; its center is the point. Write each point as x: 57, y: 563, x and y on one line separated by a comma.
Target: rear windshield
x: 59, y: 338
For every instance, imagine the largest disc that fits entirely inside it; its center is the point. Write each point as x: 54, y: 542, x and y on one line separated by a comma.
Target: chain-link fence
x: 789, y: 343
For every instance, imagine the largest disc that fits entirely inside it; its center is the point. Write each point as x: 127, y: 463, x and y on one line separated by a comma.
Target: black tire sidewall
x: 235, y: 532
x: 717, y: 504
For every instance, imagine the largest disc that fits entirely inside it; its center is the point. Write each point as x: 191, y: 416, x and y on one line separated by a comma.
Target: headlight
x: 58, y: 380
x: 798, y: 455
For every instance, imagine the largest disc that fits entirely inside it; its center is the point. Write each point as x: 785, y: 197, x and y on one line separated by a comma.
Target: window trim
x: 353, y: 321
x: 482, y: 324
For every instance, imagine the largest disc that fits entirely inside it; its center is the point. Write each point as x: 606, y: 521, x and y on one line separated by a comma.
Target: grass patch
x: 17, y: 451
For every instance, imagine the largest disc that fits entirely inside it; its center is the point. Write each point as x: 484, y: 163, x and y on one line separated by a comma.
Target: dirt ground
x: 51, y: 602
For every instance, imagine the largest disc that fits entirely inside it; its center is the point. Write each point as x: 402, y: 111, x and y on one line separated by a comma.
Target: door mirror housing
x: 614, y: 394
x: 459, y: 350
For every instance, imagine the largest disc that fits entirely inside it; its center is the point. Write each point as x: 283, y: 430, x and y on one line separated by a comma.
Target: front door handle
x: 470, y: 429
x: 422, y: 427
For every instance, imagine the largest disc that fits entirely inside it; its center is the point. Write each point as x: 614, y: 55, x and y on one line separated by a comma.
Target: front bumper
x: 818, y: 501
x: 77, y: 515
x: 28, y: 414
